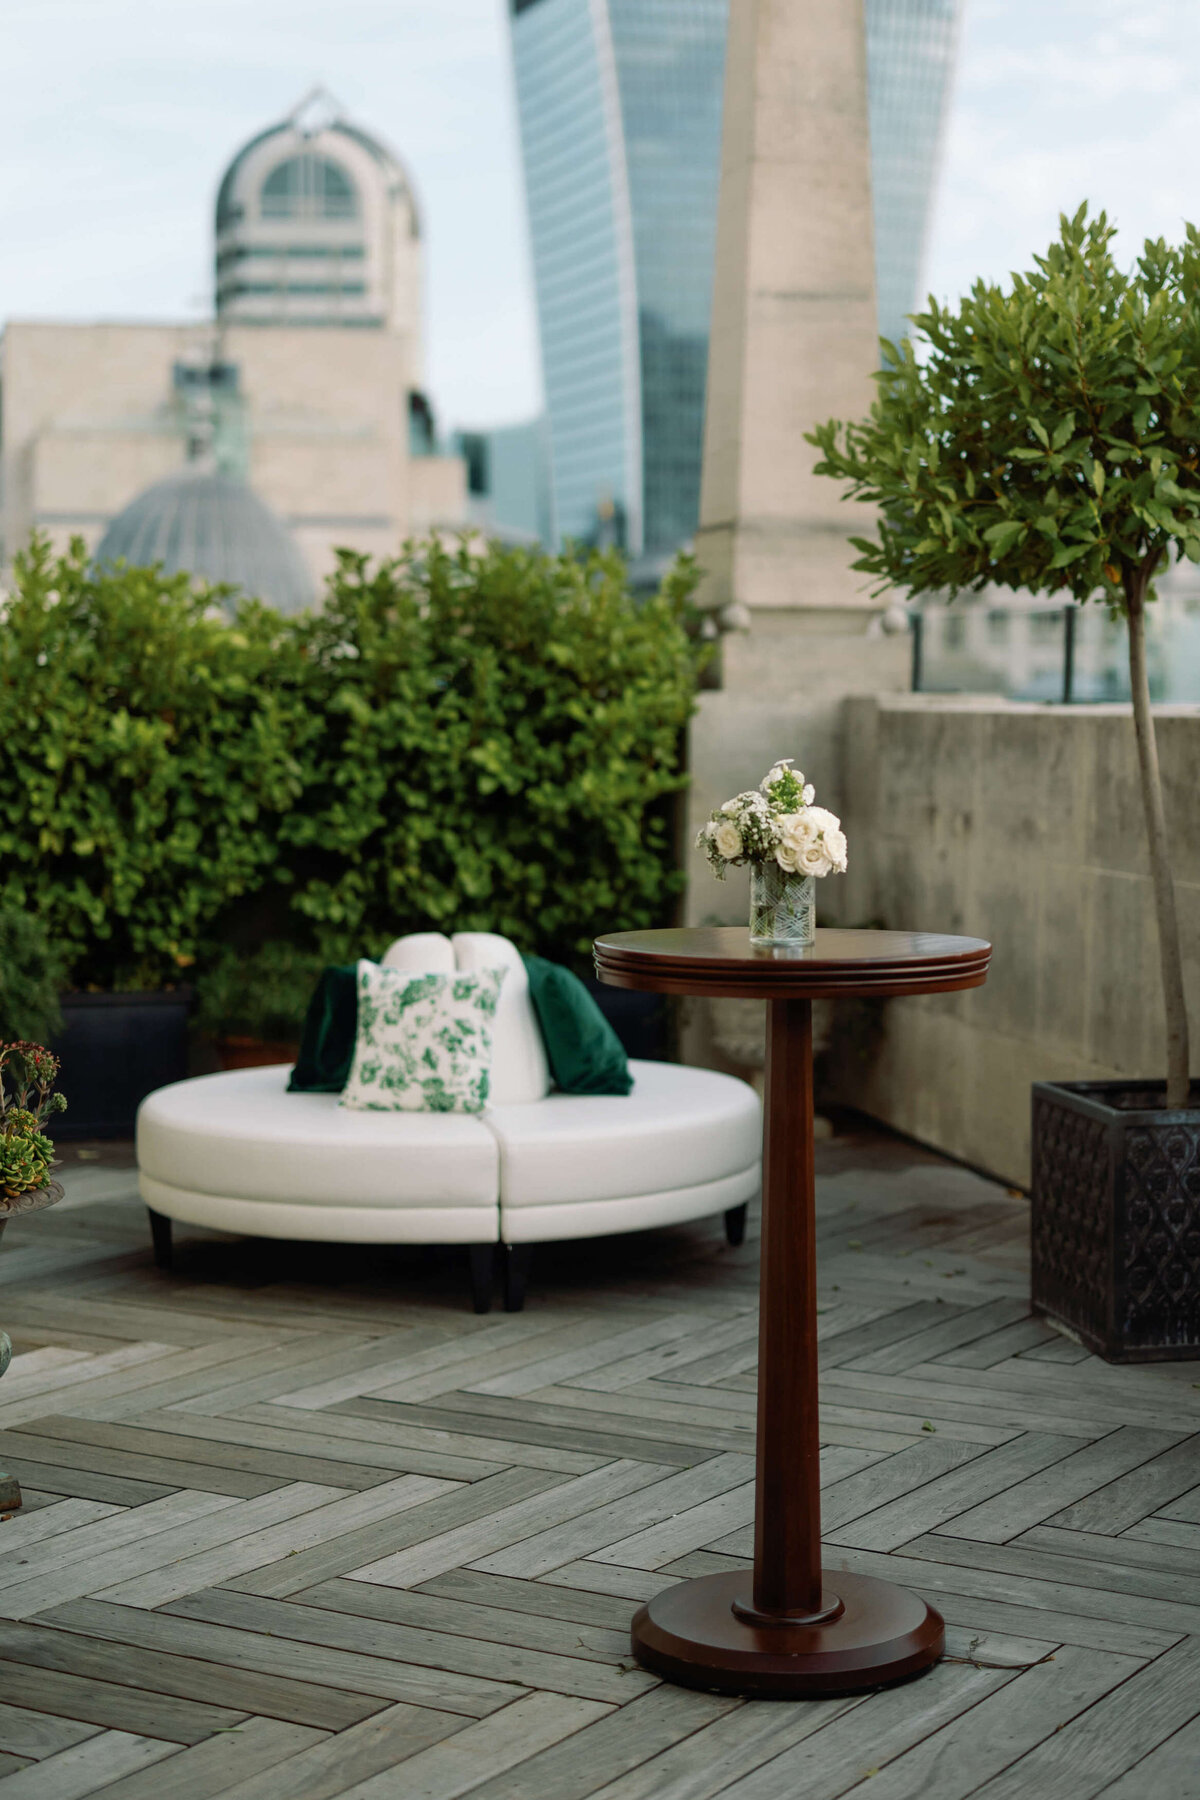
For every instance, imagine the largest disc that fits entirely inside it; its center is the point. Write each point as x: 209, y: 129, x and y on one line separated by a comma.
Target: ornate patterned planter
x: 10, y: 1487
x: 1116, y: 1218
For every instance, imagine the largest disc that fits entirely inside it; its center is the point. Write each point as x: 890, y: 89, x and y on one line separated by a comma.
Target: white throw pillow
x: 520, y: 1072
x: 424, y: 1041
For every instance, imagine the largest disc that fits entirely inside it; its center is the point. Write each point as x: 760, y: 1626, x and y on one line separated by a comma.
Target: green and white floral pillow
x: 424, y: 1042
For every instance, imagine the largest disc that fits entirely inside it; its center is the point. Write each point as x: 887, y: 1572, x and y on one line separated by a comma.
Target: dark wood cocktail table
x: 794, y: 1629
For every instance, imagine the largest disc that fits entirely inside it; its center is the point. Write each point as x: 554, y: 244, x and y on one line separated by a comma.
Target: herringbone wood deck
x: 298, y: 1525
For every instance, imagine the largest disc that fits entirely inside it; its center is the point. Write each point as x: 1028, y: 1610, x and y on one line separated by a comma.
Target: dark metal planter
x: 1116, y: 1217
x: 115, y: 1049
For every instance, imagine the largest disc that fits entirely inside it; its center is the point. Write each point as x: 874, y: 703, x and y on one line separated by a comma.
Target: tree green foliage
x: 460, y: 739
x: 1048, y: 438
x: 30, y: 977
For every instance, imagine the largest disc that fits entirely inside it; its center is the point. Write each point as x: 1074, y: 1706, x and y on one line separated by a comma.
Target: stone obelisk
x: 793, y: 342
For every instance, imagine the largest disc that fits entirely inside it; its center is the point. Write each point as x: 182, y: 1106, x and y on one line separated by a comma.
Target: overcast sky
x: 118, y: 117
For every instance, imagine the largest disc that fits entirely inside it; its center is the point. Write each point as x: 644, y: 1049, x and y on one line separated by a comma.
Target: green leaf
x: 1002, y: 537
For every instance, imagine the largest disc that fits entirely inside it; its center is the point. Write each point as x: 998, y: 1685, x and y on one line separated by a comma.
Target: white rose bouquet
x: 778, y: 822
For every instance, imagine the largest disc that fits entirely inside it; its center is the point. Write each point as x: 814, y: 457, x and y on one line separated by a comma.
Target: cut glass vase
x: 783, y: 907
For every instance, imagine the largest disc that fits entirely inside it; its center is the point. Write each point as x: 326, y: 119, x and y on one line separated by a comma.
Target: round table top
x: 721, y: 960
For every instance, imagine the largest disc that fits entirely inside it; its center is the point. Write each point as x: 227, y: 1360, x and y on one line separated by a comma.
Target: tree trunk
x: 1170, y: 954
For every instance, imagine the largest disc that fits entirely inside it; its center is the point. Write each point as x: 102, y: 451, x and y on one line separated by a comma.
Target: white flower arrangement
x: 778, y: 822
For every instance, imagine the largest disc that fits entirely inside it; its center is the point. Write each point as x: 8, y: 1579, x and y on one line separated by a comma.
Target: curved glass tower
x: 910, y: 58
x: 620, y: 118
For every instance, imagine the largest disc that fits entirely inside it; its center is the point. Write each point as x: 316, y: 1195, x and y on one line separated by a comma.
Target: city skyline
x: 116, y: 129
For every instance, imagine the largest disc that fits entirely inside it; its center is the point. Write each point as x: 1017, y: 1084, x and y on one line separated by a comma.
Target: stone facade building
x: 306, y: 384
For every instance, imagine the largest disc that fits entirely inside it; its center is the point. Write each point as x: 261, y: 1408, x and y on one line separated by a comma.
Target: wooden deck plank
x: 450, y: 1768
x: 317, y: 1515
x: 496, y: 1531
x: 670, y: 1499
x: 103, y: 1537
x: 35, y: 1735
x: 948, y: 1495
x: 377, y: 1437
x: 560, y: 1634
x: 107, y: 1703
x: 1107, y: 1741
x: 69, y: 1640
x: 324, y: 1770
x: 1050, y: 1492
x: 219, y: 1522
x: 1168, y: 1770
x: 961, y: 1755
x: 209, y: 1771
x: 354, y: 1549
x: 884, y: 1726
x: 370, y: 1634
x: 1151, y: 1486
x: 203, y: 1459
x: 89, y: 1767
x: 469, y: 1635
x: 59, y: 1461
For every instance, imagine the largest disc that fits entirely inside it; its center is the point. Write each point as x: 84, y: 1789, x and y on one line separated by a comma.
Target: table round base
x: 692, y: 1635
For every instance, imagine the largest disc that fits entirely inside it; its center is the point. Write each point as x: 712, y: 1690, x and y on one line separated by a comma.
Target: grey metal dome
x: 211, y: 525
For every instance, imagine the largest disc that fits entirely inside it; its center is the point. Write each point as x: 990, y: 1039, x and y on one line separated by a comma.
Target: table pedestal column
x: 793, y: 1629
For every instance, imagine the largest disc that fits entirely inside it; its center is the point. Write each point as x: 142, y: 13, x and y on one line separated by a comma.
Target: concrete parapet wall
x: 1022, y: 824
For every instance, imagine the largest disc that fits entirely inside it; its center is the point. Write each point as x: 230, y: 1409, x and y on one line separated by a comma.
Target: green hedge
x: 460, y: 739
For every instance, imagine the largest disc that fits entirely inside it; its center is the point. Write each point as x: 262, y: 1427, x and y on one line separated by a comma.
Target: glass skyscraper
x: 620, y: 116
x: 910, y: 56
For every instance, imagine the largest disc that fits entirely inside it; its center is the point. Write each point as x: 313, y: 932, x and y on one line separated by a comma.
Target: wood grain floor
x: 300, y: 1526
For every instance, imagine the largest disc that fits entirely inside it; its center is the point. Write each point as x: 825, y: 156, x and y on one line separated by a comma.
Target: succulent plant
x: 26, y: 1155
x: 27, y: 1100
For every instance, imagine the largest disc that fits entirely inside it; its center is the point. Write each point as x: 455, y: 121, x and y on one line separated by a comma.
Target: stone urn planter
x: 1116, y: 1217
x: 10, y: 1487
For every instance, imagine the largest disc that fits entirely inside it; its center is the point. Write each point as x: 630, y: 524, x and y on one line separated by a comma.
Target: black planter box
x: 115, y: 1049
x: 1116, y: 1217
x: 641, y: 1021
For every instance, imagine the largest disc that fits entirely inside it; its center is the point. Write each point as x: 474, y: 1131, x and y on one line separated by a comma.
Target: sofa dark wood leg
x: 483, y: 1270
x: 517, y: 1259
x: 735, y: 1225
x: 160, y: 1231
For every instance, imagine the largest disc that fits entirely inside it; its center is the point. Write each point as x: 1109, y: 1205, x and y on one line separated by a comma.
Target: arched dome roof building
x: 211, y: 525
x: 317, y: 224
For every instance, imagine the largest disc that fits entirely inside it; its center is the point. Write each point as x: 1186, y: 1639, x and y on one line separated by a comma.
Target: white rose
x: 835, y: 848
x: 797, y: 829
x: 813, y: 860
x: 822, y: 819
x: 728, y: 840
x: 794, y: 836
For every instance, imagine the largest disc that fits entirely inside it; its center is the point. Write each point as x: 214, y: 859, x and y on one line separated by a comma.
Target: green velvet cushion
x: 330, y: 1027
x: 584, y: 1052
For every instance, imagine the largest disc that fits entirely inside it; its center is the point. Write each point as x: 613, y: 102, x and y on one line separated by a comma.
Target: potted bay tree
x: 1047, y: 438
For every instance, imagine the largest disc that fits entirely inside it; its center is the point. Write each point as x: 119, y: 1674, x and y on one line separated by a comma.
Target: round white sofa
x: 238, y: 1152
